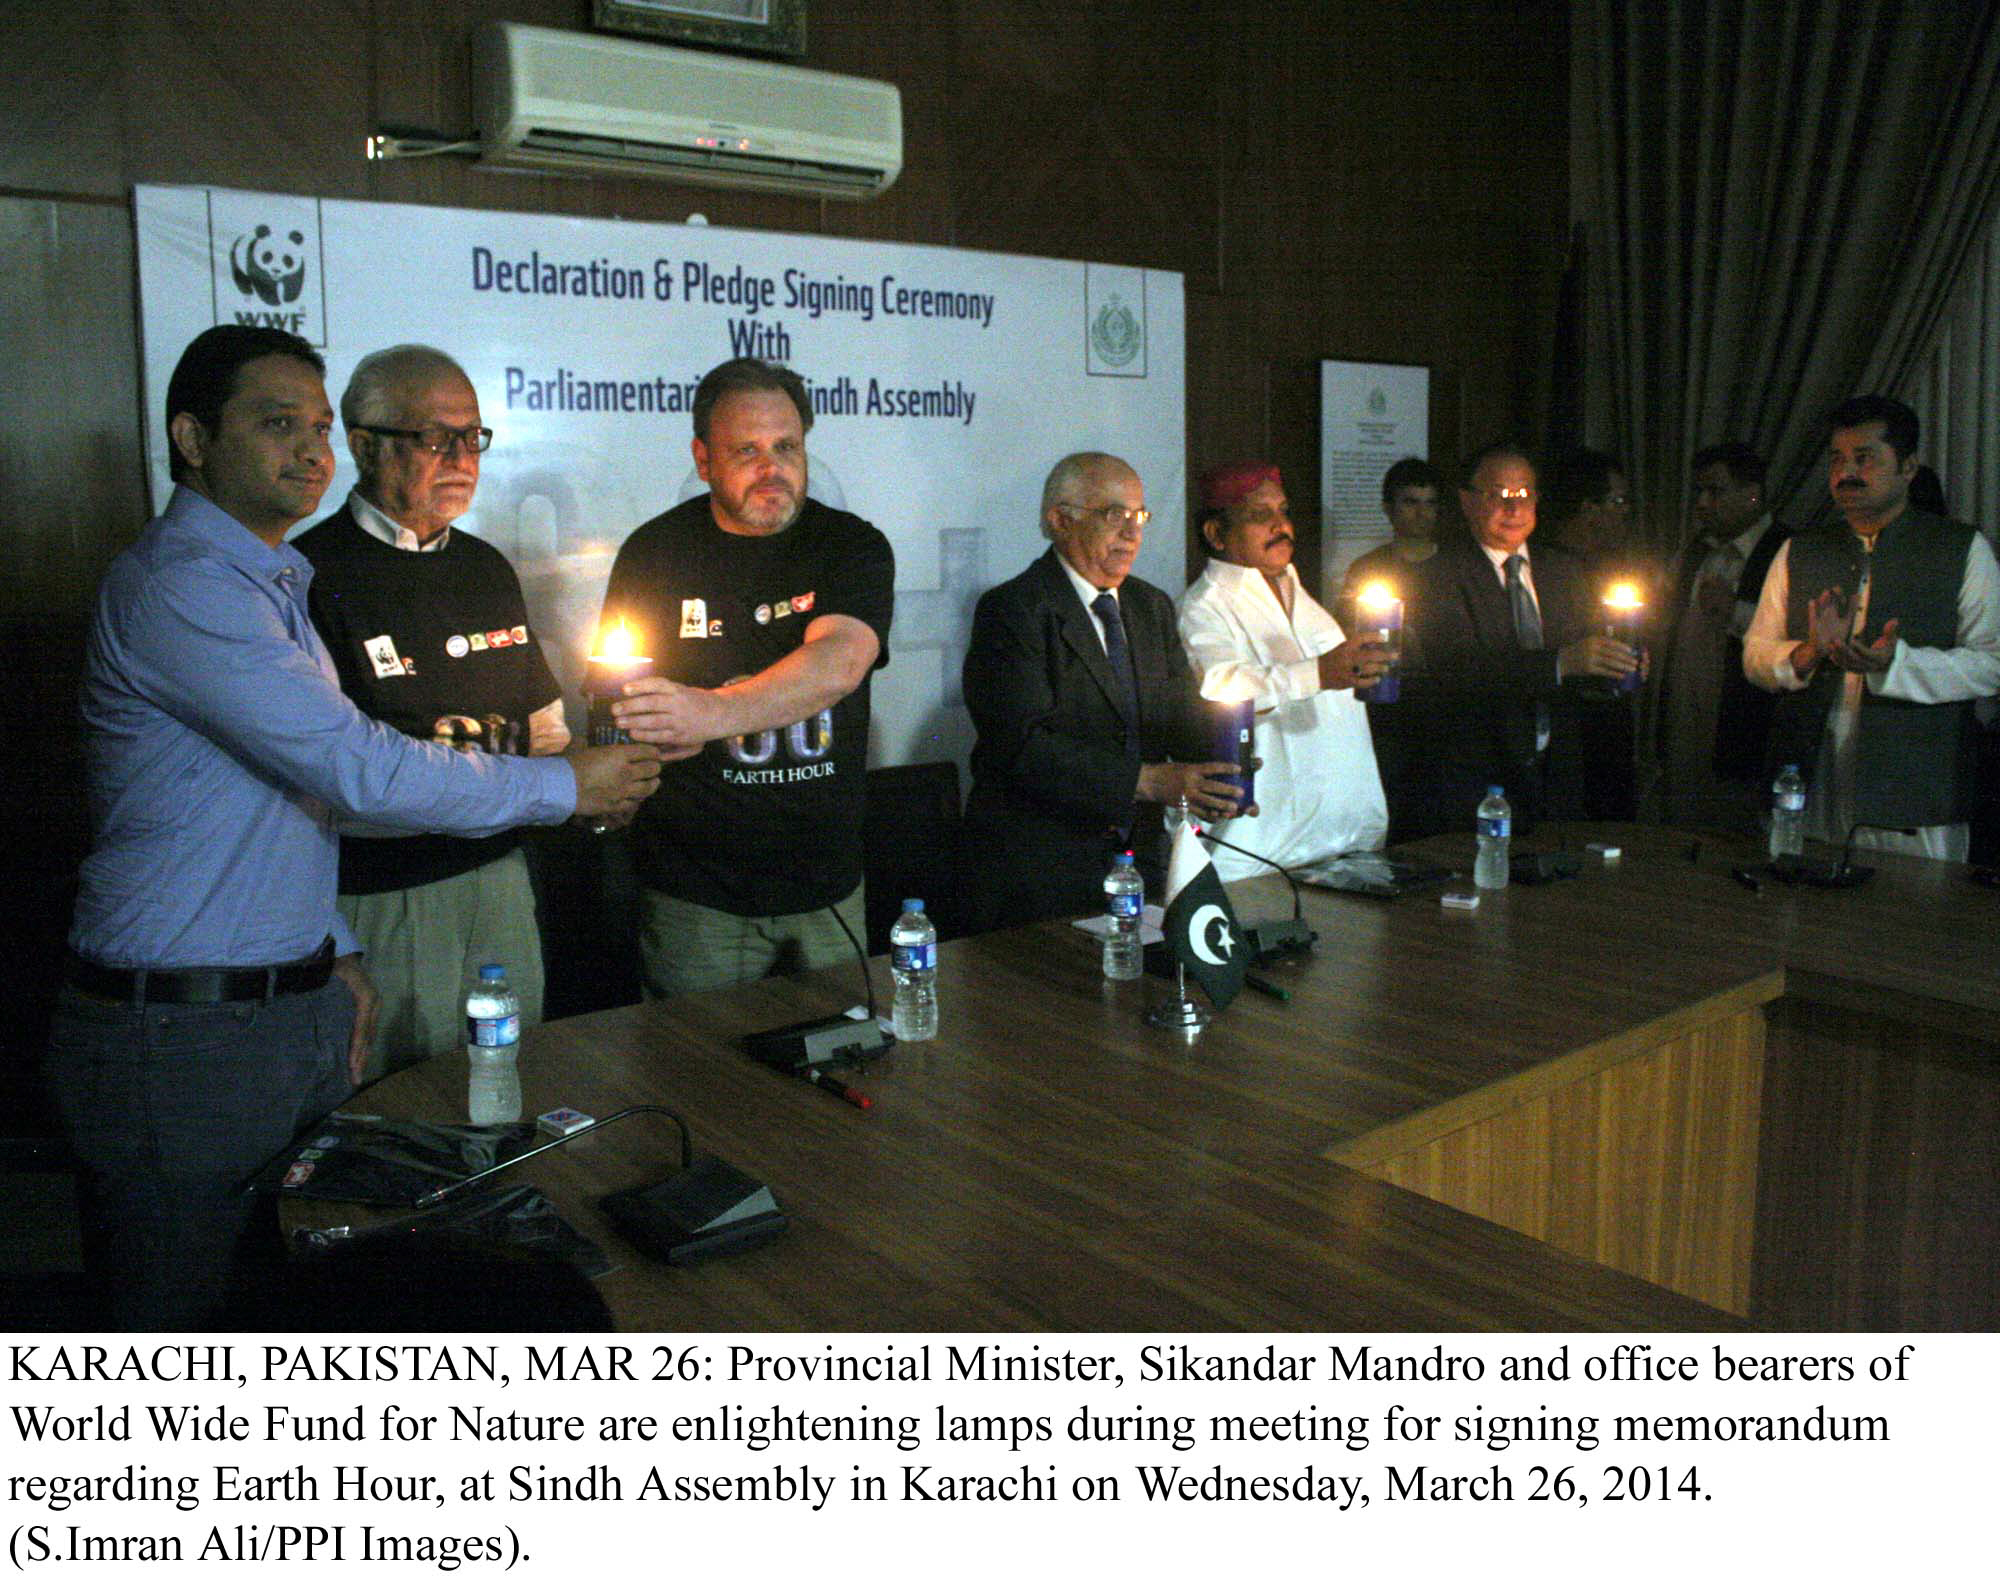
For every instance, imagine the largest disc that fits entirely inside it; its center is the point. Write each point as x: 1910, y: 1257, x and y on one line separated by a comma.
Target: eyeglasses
x: 1116, y: 518
x: 1507, y: 499
x: 440, y: 439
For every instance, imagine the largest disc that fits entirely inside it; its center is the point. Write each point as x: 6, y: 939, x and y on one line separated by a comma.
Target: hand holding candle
x: 1230, y: 733
x: 1609, y: 655
x: 1624, y: 621
x: 1379, y: 621
x: 615, y: 663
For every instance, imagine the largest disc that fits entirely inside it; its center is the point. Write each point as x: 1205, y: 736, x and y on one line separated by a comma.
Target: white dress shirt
x: 1318, y: 792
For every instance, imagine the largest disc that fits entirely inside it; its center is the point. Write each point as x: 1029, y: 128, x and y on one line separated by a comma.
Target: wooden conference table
x: 1642, y: 1098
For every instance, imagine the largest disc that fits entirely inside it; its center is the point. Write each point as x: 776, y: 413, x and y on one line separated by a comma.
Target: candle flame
x: 1624, y: 596
x: 617, y: 644
x: 1376, y: 594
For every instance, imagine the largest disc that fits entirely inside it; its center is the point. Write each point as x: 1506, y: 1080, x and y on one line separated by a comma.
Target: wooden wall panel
x: 1649, y: 1166
x: 70, y: 498
x: 1880, y: 1192
x: 62, y: 114
x: 237, y: 93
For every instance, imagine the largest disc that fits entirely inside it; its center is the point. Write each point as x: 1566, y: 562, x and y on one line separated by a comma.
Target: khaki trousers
x: 687, y: 948
x: 425, y: 946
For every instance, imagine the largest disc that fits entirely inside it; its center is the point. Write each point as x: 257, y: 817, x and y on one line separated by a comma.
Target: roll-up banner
x: 945, y: 384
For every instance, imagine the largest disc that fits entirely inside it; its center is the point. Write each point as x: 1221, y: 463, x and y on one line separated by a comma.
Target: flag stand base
x: 1179, y: 1014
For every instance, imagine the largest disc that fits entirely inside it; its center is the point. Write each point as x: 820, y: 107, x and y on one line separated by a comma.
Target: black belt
x: 233, y: 985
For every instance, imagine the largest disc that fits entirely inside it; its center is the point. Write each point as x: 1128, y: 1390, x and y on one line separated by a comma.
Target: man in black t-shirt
x: 430, y: 634
x: 765, y: 612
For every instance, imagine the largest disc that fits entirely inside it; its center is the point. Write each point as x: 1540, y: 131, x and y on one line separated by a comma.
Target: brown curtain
x: 1957, y: 390
x: 1779, y: 198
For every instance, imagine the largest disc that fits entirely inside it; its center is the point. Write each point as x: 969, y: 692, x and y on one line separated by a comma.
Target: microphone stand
x: 450, y: 1188
x: 1844, y: 873
x: 831, y: 1040
x: 1274, y: 939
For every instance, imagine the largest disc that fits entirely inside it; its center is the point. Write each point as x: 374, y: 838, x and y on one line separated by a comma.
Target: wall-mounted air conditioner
x: 601, y: 106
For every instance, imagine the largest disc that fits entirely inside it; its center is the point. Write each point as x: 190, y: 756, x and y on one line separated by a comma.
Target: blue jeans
x: 171, y: 1109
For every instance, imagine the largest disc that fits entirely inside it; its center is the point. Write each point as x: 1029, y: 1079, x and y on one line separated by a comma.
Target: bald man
x: 429, y: 632
x: 1086, y: 710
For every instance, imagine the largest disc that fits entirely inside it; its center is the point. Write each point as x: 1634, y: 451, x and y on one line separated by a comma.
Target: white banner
x: 946, y: 383
x: 1370, y: 416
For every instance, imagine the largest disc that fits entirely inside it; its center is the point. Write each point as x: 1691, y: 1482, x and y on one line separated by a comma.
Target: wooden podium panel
x: 1649, y: 1165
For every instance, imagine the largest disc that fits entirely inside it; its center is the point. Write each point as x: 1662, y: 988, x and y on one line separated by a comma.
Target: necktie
x: 1120, y: 656
x: 1527, y: 634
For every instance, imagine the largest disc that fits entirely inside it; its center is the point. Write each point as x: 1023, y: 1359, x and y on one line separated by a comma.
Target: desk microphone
x: 708, y: 1209
x: 830, y: 1040
x: 451, y: 1188
x: 1536, y: 866
x: 1274, y: 939
x: 1843, y: 873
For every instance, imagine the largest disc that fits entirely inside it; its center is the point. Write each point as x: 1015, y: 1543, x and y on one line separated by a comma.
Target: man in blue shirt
x: 215, y: 1002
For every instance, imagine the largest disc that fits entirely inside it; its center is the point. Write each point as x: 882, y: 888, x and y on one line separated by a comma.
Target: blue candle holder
x: 1381, y: 620
x: 1231, y: 739
x: 1625, y: 621
x: 603, y: 686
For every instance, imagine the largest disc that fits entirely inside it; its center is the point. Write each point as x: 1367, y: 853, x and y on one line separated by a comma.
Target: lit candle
x: 615, y: 664
x: 1379, y: 613
x: 1624, y: 618
x: 1230, y: 739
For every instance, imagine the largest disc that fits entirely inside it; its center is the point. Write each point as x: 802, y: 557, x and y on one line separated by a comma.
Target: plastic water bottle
x: 1125, y: 904
x: 913, y: 957
x: 1788, y: 814
x: 1496, y: 833
x: 492, y: 1049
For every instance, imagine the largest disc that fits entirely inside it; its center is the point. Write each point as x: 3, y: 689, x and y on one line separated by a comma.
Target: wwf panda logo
x: 272, y: 268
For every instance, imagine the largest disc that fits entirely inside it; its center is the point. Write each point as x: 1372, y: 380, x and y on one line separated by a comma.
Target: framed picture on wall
x: 771, y: 27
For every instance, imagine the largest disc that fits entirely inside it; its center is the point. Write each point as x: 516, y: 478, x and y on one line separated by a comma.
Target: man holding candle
x: 1877, y: 635
x: 1410, y: 502
x: 1254, y: 634
x: 1086, y: 711
x: 1712, y: 722
x: 1506, y: 638
x: 214, y: 1002
x: 430, y: 634
x: 1587, y: 509
x: 765, y: 612
x: 1410, y: 498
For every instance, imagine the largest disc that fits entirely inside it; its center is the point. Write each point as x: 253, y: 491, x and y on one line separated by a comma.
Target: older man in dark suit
x: 1085, y: 706
x: 1501, y: 639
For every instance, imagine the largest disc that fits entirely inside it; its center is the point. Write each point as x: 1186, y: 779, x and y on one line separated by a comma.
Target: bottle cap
x: 492, y: 972
x: 913, y: 906
x: 1493, y: 791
